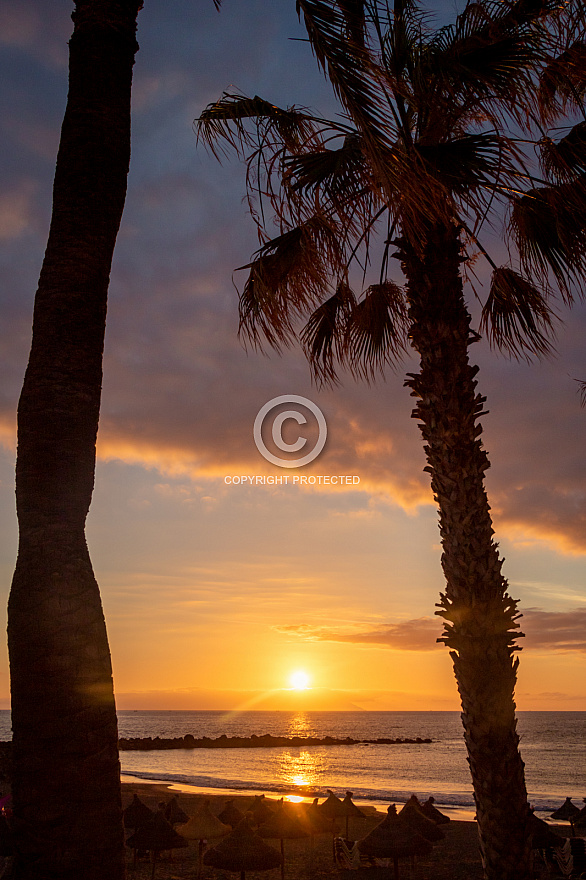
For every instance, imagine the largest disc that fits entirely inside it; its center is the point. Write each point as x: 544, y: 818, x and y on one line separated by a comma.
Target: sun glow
x: 299, y: 680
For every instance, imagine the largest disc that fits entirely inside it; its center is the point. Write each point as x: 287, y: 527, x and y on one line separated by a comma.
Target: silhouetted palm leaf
x: 549, y: 226
x: 564, y: 79
x: 289, y: 274
x: 376, y: 332
x: 516, y: 316
x: 324, y: 335
x: 566, y: 158
x: 226, y: 120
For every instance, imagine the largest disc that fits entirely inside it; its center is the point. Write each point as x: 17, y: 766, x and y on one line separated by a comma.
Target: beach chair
x: 568, y: 860
x: 348, y: 856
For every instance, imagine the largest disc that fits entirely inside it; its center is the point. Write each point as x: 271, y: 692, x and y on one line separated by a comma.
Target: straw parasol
x: 412, y: 815
x: 137, y: 813
x: 242, y: 850
x: 393, y: 839
x: 282, y: 825
x: 230, y: 815
x: 568, y: 811
x: 174, y: 814
x: 156, y: 836
x: 261, y: 812
x: 332, y: 808
x: 313, y: 820
x: 433, y: 813
x: 350, y: 809
x: 201, y: 827
x: 579, y: 821
x: 542, y: 834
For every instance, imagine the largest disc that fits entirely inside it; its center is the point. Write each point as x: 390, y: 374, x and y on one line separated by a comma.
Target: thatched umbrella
x: 137, y: 813
x: 156, y: 836
x: 543, y: 835
x: 203, y: 826
x: 579, y: 821
x: 350, y: 809
x: 392, y: 839
x: 313, y: 820
x: 230, y: 815
x: 261, y: 811
x: 282, y: 825
x: 242, y: 850
x: 412, y: 815
x: 567, y: 812
x: 332, y: 808
x: 174, y: 814
x: 433, y: 813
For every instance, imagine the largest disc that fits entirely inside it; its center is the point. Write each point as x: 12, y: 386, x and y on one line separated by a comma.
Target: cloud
x: 15, y: 211
x: 419, y: 634
x: 558, y: 631
x: 180, y: 394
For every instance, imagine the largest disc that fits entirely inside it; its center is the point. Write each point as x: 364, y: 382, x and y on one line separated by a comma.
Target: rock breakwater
x: 266, y: 741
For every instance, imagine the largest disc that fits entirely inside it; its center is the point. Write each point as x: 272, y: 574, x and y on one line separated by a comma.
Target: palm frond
x: 549, y: 227
x: 376, y: 331
x: 288, y: 276
x: 516, y: 316
x: 566, y: 158
x: 582, y: 385
x: 472, y: 161
x: 226, y: 120
x: 485, y: 63
x: 355, y: 18
x: 563, y: 79
x: 323, y: 337
x: 339, y: 181
x: 330, y: 170
x: 349, y: 67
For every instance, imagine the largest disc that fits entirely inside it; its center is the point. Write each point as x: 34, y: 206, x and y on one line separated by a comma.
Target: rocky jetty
x: 266, y: 741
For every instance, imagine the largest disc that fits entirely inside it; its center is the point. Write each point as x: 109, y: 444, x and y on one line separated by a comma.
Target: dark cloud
x: 407, y: 635
x: 555, y: 630
x: 178, y: 386
x: 559, y: 631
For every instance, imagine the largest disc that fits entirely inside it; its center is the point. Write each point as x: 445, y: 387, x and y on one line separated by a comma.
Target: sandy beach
x: 455, y: 858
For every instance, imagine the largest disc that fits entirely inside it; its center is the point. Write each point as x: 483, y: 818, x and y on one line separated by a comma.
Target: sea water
x: 552, y: 746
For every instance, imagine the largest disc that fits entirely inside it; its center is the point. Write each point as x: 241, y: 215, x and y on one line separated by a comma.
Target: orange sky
x: 215, y: 593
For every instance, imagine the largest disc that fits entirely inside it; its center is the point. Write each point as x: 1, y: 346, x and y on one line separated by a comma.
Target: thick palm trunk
x: 478, y: 613
x: 66, y: 789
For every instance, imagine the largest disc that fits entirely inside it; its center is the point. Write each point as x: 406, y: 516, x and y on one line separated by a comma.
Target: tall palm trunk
x: 479, y: 615
x: 67, y: 808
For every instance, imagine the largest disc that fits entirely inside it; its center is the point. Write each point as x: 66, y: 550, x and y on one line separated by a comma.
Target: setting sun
x: 299, y: 680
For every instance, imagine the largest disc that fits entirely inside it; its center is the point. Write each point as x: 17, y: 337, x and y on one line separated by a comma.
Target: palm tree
x: 66, y: 784
x: 437, y: 133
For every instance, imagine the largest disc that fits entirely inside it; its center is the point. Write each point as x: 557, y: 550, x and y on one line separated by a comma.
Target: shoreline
x: 459, y: 814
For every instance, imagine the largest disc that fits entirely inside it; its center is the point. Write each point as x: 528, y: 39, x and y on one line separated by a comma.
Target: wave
x: 361, y: 794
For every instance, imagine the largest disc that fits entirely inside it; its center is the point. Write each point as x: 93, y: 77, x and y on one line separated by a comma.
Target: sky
x: 216, y: 591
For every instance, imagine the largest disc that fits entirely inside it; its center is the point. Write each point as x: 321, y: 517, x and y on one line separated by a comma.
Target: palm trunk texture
x: 66, y: 787
x: 478, y: 613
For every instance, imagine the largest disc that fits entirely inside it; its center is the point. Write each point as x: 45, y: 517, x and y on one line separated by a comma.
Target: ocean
x: 552, y: 746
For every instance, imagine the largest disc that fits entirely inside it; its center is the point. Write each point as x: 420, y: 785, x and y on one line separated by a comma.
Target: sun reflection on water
x: 303, y: 770
x: 300, y: 725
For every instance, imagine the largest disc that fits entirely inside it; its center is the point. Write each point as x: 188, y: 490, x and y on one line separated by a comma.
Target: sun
x: 299, y: 680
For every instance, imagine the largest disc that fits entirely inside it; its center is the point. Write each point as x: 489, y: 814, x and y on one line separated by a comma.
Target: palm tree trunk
x: 66, y: 787
x: 478, y: 613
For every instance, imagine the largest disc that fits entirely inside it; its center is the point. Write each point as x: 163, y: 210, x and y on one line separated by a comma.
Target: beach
x: 455, y: 858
